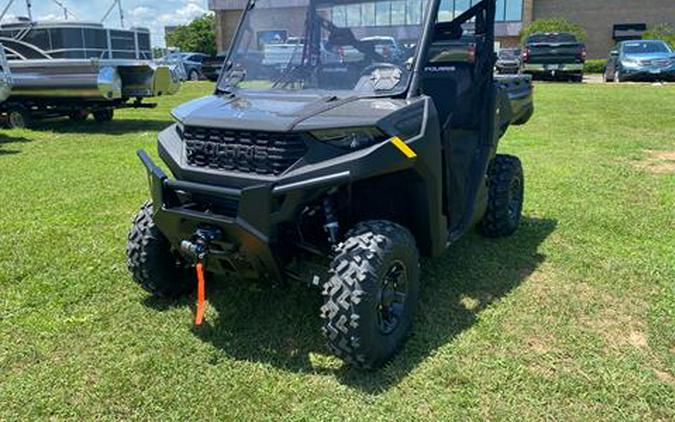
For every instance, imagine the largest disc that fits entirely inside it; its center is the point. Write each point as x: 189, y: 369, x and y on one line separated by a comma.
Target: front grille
x: 263, y: 153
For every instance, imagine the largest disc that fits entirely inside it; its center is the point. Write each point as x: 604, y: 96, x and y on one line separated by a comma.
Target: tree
x: 663, y: 32
x: 198, y: 36
x: 553, y: 25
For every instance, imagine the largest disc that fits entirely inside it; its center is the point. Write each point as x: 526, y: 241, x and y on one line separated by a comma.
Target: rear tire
x: 370, y: 299
x: 506, y: 195
x: 152, y: 263
x: 105, y: 115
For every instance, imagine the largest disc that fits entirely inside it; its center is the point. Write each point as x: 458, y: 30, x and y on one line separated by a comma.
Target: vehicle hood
x: 280, y: 113
x: 649, y: 56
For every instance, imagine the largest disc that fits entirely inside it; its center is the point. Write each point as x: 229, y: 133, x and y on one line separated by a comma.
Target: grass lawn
x: 573, y: 318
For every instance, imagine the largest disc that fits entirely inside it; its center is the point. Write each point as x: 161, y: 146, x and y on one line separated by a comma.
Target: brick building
x: 606, y: 21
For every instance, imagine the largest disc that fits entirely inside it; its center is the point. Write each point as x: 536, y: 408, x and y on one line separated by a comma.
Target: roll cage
x: 481, y: 16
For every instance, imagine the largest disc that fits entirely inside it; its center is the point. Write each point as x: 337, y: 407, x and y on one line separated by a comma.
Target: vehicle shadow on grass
x: 281, y: 327
x: 115, y: 127
x: 9, y: 140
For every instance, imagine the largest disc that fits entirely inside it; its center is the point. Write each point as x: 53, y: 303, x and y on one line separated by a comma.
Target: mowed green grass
x: 573, y: 318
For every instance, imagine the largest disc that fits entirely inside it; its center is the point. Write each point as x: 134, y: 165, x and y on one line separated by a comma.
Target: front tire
x: 151, y: 261
x: 506, y: 195
x: 372, y: 294
x: 194, y: 76
x: 618, y: 77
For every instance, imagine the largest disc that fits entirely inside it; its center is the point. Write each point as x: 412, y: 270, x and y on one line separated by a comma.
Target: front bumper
x: 242, y: 249
x: 648, y: 75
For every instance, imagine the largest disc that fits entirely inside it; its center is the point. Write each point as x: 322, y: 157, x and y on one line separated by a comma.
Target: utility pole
x: 28, y: 8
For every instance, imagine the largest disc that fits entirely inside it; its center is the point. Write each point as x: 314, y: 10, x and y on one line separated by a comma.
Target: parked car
x: 509, y: 61
x: 641, y: 60
x: 212, y: 66
x: 557, y: 55
x: 191, y: 62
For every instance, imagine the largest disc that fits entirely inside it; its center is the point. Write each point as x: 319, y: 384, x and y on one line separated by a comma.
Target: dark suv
x: 336, y: 174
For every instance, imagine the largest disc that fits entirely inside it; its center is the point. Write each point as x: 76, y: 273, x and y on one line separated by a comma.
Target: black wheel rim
x: 16, y: 120
x: 393, y: 294
x: 515, y: 199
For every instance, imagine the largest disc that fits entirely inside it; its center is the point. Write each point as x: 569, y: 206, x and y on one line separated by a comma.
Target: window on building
x: 353, y: 15
x: 501, y: 10
x: 339, y: 16
x: 413, y: 12
x: 383, y: 13
x: 514, y: 10
x: 461, y: 6
x: 398, y: 12
x: 446, y: 12
x: 368, y: 14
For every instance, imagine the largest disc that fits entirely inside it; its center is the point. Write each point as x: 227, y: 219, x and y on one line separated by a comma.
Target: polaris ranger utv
x: 335, y: 172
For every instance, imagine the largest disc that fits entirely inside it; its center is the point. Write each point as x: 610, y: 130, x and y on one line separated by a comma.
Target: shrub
x: 553, y: 25
x: 595, y: 66
x: 663, y: 32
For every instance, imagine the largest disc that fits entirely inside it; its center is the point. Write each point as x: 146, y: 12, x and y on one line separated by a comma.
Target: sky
x: 152, y: 14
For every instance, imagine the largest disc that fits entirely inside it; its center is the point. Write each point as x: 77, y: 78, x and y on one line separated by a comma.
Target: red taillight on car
x: 526, y: 54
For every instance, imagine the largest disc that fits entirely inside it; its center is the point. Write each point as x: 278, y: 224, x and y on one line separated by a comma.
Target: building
x: 168, y: 30
x: 606, y: 21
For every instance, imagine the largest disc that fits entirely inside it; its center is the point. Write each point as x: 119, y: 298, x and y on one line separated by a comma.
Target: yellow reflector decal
x: 405, y: 149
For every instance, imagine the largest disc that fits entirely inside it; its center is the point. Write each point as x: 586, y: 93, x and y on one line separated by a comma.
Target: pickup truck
x: 212, y: 66
x: 557, y: 55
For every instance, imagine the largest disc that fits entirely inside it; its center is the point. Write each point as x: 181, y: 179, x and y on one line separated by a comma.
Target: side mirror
x: 614, y: 53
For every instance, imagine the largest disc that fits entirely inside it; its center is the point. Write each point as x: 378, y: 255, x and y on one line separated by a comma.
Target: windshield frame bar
x: 414, y: 87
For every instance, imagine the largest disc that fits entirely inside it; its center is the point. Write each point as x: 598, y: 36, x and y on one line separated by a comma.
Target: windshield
x: 509, y: 54
x: 649, y: 47
x: 327, y: 45
x: 175, y: 57
x: 551, y: 38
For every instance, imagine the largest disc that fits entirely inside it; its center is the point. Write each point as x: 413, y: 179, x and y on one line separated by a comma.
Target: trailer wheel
x: 506, y: 195
x: 370, y: 299
x: 79, y: 116
x: 152, y: 263
x: 104, y: 115
x: 19, y: 118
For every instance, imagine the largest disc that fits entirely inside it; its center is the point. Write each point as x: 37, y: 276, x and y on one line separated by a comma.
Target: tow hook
x: 332, y: 226
x: 197, y: 250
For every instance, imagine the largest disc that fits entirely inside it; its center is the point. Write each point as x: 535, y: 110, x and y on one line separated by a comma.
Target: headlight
x: 351, y: 139
x: 180, y: 129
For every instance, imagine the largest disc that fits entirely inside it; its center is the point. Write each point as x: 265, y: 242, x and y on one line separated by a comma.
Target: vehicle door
x: 459, y: 77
